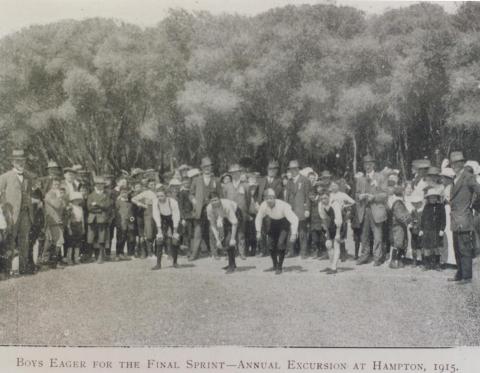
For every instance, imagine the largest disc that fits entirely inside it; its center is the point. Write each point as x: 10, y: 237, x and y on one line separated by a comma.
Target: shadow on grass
x: 186, y: 265
x: 294, y: 269
x: 244, y: 268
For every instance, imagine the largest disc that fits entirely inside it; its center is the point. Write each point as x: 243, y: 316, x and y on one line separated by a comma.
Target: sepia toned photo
x: 240, y: 173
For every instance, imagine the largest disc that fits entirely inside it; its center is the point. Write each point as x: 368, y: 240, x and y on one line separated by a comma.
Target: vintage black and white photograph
x: 274, y: 173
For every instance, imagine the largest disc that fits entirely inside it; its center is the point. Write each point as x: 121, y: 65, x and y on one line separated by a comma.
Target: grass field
x: 125, y: 303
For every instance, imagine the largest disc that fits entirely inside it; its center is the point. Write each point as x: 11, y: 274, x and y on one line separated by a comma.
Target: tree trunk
x: 354, y: 142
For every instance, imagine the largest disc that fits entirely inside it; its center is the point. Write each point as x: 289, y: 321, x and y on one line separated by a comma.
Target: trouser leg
x: 365, y: 249
x: 377, y: 241
x: 466, y: 252
x: 25, y: 253
x: 197, y: 238
x: 303, y: 238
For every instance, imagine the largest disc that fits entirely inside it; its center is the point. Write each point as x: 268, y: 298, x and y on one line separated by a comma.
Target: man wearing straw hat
x: 462, y: 224
x: 15, y: 196
x: 371, y: 197
x: 200, y: 190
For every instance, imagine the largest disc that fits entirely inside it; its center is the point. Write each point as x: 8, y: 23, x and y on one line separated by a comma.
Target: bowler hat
x: 368, y: 158
x: 433, y: 171
x: 52, y: 164
x: 234, y: 168
x: 273, y: 164
x: 456, y: 157
x: 18, y: 155
x: 293, y: 164
x: 206, y: 161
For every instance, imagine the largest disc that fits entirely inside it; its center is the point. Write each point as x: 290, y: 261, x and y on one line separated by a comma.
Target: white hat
x: 307, y: 171
x: 76, y: 196
x: 433, y: 192
x: 193, y: 172
x: 415, y: 197
x: 174, y: 182
x: 474, y: 165
x: 448, y: 172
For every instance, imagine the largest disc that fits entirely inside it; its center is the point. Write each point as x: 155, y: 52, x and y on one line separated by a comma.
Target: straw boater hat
x: 184, y: 167
x: 75, y: 196
x: 18, y: 155
x: 98, y: 180
x: 52, y: 164
x: 234, y: 168
x: 174, y: 182
x: 293, y: 164
x: 456, y: 157
x: 448, y: 172
x: 69, y: 169
x: 206, y: 161
x: 273, y: 165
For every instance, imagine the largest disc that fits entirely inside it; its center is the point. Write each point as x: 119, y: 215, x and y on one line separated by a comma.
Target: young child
x: 331, y: 220
x: 398, y: 230
x: 124, y: 223
x: 76, y: 227
x: 416, y: 201
x: 432, y: 228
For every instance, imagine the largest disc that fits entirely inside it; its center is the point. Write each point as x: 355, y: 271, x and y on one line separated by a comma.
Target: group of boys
x: 73, y: 217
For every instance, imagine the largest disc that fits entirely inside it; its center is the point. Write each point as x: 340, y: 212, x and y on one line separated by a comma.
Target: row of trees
x: 322, y: 83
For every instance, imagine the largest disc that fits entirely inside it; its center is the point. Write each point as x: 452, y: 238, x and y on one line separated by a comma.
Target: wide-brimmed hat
x: 52, y: 164
x: 415, y: 197
x: 293, y: 164
x: 224, y: 175
x: 433, y: 171
x: 75, y: 196
x: 456, y: 157
x: 474, y: 165
x: 174, y: 182
x: 69, y: 169
x: 433, y: 192
x: 184, y: 167
x: 18, y: 154
x: 273, y: 165
x: 448, y: 172
x: 234, y: 168
x: 206, y: 161
x: 368, y: 159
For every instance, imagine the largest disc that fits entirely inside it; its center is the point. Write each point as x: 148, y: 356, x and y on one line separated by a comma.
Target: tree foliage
x: 321, y: 83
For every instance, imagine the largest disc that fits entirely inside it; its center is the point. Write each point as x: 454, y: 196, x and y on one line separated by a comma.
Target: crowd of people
x: 72, y: 216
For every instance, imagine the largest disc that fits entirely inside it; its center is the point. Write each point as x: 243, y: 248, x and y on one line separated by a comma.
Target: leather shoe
x: 230, y: 270
x: 454, y: 279
x: 156, y: 268
x: 278, y: 271
x: 331, y: 271
x: 377, y: 263
x: 464, y: 281
x: 361, y: 261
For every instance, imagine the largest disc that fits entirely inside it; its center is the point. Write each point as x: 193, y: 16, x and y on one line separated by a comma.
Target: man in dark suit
x: 462, y: 193
x: 200, y: 190
x: 15, y: 195
x: 298, y: 190
x: 371, y: 197
x: 271, y: 181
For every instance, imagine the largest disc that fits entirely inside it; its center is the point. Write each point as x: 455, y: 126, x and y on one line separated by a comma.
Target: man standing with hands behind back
x: 463, y: 189
x: 15, y: 196
x: 298, y: 190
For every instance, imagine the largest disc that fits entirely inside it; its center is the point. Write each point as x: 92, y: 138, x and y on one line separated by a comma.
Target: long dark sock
x: 273, y: 255
x: 174, y: 253
x: 281, y: 257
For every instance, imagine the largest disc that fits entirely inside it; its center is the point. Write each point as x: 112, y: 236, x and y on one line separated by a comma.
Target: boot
x: 69, y: 256
x: 159, y: 258
x: 175, y: 255
x: 394, y: 261
x: 76, y: 255
x: 436, y: 264
x: 281, y: 257
x: 231, y: 260
x: 101, y: 255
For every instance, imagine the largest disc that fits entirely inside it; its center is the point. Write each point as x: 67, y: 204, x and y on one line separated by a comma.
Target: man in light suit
x: 15, y: 195
x: 298, y: 190
x: 461, y: 197
x: 371, y: 198
x: 200, y: 190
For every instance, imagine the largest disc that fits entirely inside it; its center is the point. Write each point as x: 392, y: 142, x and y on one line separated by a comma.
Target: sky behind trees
x: 16, y: 14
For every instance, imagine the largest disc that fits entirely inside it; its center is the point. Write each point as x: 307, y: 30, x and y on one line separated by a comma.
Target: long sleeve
x: 292, y: 218
x: 136, y: 200
x: 175, y: 212
x: 259, y: 217
x: 155, y: 213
